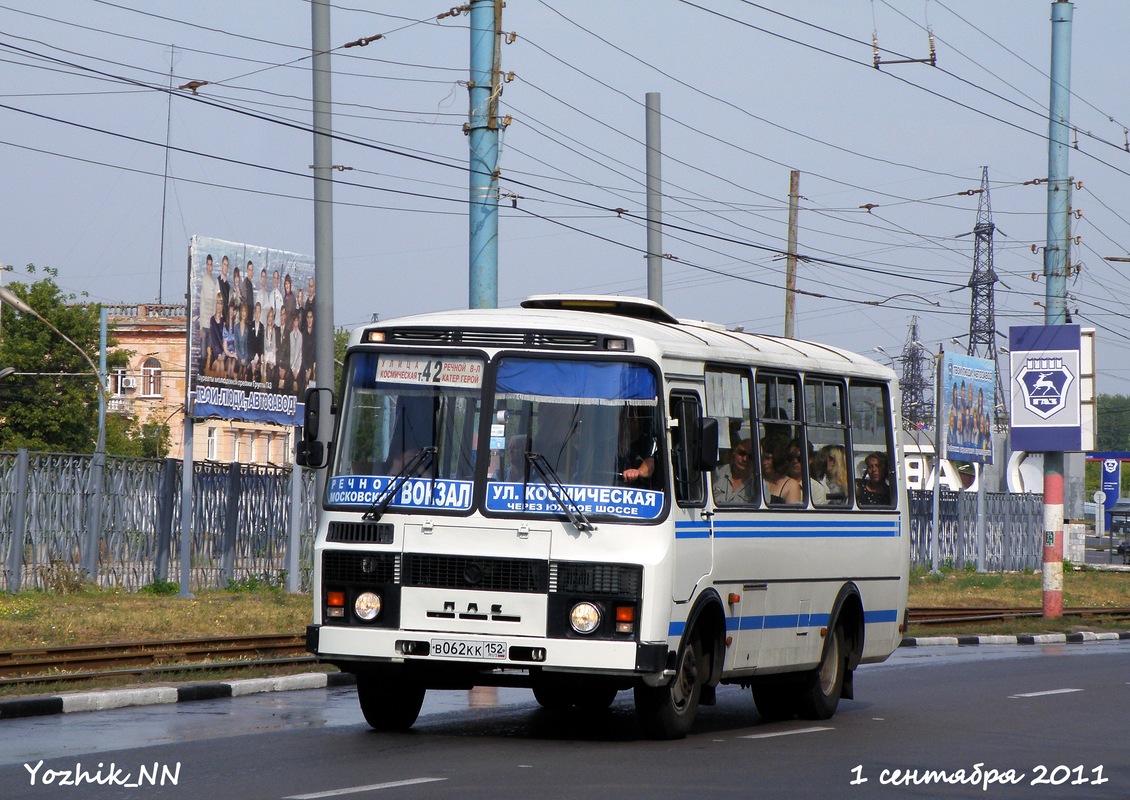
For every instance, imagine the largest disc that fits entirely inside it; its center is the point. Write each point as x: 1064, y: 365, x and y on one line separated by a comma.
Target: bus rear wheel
x: 668, y: 712
x: 389, y: 703
x: 776, y: 698
x: 821, y: 690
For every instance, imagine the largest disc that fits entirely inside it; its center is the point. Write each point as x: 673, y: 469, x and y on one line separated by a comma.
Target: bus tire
x: 389, y: 704
x: 668, y: 712
x: 822, y: 687
x: 596, y: 698
x: 552, y: 696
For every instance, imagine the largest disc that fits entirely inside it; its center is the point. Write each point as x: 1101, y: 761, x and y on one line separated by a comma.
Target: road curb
x: 159, y: 695
x: 1039, y: 638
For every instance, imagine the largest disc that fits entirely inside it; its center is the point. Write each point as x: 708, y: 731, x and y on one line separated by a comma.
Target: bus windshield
x: 586, y: 432
x: 396, y: 408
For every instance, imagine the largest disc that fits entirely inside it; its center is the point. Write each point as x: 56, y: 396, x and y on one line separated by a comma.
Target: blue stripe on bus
x: 789, y: 529
x: 788, y: 621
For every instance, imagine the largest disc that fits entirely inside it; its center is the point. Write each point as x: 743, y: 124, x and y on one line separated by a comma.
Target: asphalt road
x: 1001, y: 719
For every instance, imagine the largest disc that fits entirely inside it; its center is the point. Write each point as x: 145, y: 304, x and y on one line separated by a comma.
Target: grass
x: 91, y: 616
x: 957, y: 588
x: 1082, y: 588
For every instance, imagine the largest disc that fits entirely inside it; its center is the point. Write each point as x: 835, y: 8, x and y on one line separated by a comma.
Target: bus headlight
x: 367, y: 606
x: 585, y: 617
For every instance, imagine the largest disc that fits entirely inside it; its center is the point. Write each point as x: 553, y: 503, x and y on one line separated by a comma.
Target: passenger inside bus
x: 837, y: 478
x: 515, y: 459
x: 872, y: 489
x: 780, y: 489
x: 733, y: 482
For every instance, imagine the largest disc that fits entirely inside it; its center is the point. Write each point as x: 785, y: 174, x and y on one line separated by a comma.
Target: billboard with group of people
x: 251, y: 331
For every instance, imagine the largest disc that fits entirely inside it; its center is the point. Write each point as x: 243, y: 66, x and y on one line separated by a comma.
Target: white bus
x: 586, y: 495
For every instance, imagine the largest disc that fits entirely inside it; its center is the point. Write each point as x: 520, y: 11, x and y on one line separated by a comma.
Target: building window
x: 212, y: 444
x: 119, y: 382
x: 151, y: 378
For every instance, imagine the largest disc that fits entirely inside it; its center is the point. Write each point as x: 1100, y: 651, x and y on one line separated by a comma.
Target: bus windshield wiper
x: 557, y: 489
x: 381, y: 503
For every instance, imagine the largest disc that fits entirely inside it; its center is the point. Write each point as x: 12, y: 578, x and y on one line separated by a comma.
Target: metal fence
x: 243, y: 526
x: 1014, y: 525
x: 242, y: 523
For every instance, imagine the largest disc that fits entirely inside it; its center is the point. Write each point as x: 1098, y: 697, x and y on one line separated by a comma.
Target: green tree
x: 53, y: 405
x: 341, y: 342
x: 1112, y: 428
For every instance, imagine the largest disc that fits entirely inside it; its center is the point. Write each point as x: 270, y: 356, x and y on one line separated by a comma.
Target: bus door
x: 694, y: 532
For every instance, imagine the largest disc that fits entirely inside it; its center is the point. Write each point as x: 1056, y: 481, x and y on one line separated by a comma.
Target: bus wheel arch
x: 823, y: 687
x: 668, y: 711
x: 847, y: 614
x: 707, y: 622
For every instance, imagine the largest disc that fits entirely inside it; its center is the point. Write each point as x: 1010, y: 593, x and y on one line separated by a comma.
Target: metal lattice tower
x: 982, y: 316
x: 916, y: 383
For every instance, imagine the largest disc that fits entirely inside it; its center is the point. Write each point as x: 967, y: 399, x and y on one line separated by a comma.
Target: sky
x: 110, y: 169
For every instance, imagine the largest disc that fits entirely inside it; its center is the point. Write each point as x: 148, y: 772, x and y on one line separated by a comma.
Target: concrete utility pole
x: 482, y: 129
x: 790, y: 263
x: 323, y: 193
x: 323, y: 224
x: 1055, y: 277
x: 654, y: 198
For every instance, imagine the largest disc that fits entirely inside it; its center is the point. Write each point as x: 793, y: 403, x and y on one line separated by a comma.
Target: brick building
x: 152, y: 390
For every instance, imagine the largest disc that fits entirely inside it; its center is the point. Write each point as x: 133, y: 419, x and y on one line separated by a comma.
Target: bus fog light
x: 367, y: 606
x: 585, y: 617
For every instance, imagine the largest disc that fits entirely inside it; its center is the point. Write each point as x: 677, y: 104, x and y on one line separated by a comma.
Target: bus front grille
x: 470, y: 572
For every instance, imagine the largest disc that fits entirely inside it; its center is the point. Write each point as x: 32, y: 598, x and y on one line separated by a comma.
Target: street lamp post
x: 98, y: 462
x: 9, y: 298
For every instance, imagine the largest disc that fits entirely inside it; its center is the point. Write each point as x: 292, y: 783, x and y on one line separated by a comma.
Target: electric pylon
x: 982, y: 316
x: 916, y: 383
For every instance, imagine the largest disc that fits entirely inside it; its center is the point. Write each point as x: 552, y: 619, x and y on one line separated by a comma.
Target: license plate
x: 463, y: 648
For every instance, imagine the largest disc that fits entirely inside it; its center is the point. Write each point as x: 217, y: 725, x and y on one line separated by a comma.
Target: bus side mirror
x: 707, y: 451
x: 317, y: 426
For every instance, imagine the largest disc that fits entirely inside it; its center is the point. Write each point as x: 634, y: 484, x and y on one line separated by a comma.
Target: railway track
x: 43, y: 666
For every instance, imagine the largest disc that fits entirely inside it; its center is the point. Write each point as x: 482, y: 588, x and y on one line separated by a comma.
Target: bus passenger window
x: 826, y: 418
x: 784, y: 459
x: 734, y: 482
x: 872, y: 450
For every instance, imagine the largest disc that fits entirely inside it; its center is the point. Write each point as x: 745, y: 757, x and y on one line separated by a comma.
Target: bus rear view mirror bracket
x: 317, y: 425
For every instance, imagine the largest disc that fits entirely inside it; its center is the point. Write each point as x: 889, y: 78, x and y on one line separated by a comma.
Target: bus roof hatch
x: 634, y: 307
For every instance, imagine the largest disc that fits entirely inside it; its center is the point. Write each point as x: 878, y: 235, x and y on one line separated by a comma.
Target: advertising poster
x: 969, y: 385
x: 1046, y: 379
x: 251, y: 312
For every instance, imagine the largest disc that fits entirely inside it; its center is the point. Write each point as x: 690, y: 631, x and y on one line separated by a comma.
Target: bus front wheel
x: 389, y: 703
x: 668, y: 712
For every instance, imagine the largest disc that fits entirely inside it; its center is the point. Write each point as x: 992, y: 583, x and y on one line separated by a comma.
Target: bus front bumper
x: 343, y: 645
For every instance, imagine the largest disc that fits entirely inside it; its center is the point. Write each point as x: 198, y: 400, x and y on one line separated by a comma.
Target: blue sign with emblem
x: 1046, y: 366
x: 1111, y: 481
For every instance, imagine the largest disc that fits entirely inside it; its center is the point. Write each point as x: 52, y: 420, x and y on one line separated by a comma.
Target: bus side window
x: 872, y: 445
x: 824, y: 412
x: 685, y: 447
